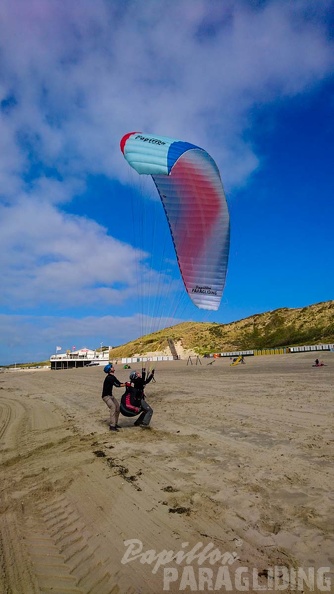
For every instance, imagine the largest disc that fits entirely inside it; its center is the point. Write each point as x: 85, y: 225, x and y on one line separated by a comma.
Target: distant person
x: 108, y: 397
x: 133, y: 401
x: 318, y: 363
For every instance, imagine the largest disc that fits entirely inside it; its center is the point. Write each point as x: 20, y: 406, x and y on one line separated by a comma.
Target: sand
x: 238, y: 459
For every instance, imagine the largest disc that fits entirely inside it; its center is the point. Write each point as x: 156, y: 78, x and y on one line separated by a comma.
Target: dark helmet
x: 108, y: 368
x: 133, y: 375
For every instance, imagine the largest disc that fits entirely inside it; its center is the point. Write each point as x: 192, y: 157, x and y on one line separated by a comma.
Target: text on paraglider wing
x: 151, y: 140
x: 205, y: 290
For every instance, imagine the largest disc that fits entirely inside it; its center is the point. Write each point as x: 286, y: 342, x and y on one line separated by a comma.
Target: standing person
x: 133, y: 400
x: 108, y: 397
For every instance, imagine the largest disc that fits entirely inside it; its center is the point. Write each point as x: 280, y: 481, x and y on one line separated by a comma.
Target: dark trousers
x: 146, y: 415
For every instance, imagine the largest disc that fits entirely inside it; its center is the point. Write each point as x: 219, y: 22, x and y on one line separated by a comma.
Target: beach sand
x: 239, y: 459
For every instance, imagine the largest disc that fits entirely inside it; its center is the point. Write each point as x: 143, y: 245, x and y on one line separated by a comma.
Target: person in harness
x: 133, y: 401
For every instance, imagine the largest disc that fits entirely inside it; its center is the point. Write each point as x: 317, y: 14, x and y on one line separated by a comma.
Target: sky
x: 86, y: 257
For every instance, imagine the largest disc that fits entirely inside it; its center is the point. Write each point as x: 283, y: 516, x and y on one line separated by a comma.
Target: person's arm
x: 150, y: 377
x: 117, y: 383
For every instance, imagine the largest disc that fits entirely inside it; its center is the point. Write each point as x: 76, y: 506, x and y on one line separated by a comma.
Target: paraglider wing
x: 193, y: 197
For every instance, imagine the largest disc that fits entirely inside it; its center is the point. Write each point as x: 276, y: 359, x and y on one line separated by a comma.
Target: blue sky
x: 85, y: 248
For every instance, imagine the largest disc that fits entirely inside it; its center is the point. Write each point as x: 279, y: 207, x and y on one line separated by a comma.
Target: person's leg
x: 110, y: 402
x: 139, y: 421
x: 117, y: 410
x: 146, y: 414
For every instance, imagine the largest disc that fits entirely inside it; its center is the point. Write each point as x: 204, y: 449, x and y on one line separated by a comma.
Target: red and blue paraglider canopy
x: 192, y: 194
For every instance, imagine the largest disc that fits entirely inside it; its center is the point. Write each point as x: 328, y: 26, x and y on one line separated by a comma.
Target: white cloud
x: 66, y: 260
x: 84, y: 74
x: 29, y: 338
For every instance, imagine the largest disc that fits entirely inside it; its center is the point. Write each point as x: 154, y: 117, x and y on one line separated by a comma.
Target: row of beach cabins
x: 277, y: 351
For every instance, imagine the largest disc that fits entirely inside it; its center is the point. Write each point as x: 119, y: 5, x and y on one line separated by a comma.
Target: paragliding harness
x: 130, y: 405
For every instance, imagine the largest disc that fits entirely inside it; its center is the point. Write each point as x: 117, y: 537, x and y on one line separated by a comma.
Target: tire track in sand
x: 5, y: 417
x: 64, y: 559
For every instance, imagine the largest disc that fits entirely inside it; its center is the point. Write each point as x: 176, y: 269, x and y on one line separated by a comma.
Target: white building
x: 79, y: 358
